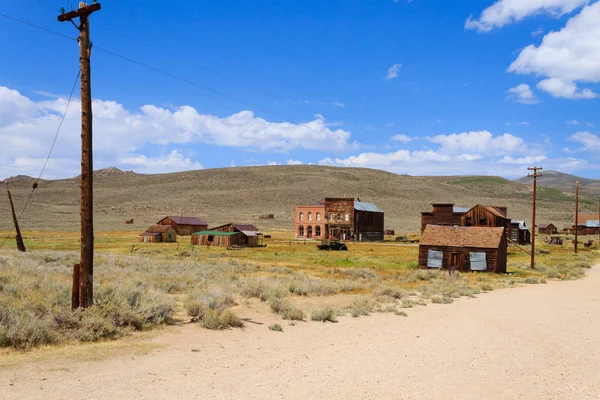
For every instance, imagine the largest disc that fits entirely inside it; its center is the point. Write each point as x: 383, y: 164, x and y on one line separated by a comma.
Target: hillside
x: 243, y: 193
x: 566, y: 183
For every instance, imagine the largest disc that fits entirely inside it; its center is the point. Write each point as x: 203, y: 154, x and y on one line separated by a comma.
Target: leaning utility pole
x: 535, y: 175
x: 20, y: 244
x: 86, y: 266
x: 576, y: 213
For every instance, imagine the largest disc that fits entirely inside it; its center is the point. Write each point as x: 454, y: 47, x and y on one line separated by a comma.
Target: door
x: 456, y: 261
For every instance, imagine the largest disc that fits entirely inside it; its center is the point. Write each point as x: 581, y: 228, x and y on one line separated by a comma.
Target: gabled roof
x: 158, y: 228
x: 521, y: 224
x: 588, y: 220
x: 365, y: 206
x: 545, y: 226
x: 216, y: 233
x: 495, y: 212
x: 246, y: 227
x: 467, y: 236
x: 185, y: 220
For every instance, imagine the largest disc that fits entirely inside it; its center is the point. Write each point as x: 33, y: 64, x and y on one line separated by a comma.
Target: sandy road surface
x: 533, y: 342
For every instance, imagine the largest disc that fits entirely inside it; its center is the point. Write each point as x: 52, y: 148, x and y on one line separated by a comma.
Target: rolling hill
x: 241, y: 194
x: 566, y: 183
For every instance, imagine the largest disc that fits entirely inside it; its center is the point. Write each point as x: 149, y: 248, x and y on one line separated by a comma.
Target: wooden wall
x: 550, y: 230
x: 369, y: 224
x: 184, y: 230
x: 442, y: 214
x: 222, y: 241
x: 495, y: 258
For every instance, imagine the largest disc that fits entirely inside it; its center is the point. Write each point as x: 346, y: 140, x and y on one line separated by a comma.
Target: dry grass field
x: 242, y: 194
x: 175, y: 283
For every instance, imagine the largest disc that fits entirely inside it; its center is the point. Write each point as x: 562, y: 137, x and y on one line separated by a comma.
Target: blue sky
x: 421, y: 87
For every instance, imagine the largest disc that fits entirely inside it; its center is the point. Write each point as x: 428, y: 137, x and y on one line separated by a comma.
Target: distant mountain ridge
x: 565, y: 182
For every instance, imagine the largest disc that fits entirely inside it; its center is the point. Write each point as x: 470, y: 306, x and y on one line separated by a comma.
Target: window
x: 478, y: 262
x: 310, y: 216
x: 300, y: 231
x: 309, y: 232
x: 318, y: 216
x: 301, y: 216
x: 317, y: 231
x: 514, y: 235
x: 339, y: 216
x: 347, y: 217
x: 434, y: 259
x: 331, y: 216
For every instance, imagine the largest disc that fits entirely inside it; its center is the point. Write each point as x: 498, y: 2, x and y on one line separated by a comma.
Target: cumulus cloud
x: 566, y: 57
x: 393, y: 71
x: 479, y: 143
x: 522, y: 94
x: 504, y: 12
x: 402, y: 138
x: 589, y: 141
x: 27, y: 127
x: 294, y: 162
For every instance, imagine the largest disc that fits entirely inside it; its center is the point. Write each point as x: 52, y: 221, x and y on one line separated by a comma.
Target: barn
x: 588, y: 224
x: 548, y: 229
x: 485, y: 216
x: 244, y: 235
x: 159, y: 233
x: 184, y: 226
x: 442, y: 214
x: 464, y: 248
x: 518, y: 233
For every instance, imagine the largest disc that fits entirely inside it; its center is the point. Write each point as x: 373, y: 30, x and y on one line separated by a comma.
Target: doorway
x: 456, y: 261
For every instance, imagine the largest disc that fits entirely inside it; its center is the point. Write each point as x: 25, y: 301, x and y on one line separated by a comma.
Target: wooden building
x: 159, y: 233
x: 184, y: 226
x: 518, y: 233
x: 445, y: 214
x: 485, y: 216
x: 342, y: 218
x: 244, y: 235
x: 588, y: 224
x: 463, y: 248
x: 548, y: 229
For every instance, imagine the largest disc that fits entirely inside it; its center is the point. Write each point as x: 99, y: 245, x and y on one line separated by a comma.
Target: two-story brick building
x: 342, y: 218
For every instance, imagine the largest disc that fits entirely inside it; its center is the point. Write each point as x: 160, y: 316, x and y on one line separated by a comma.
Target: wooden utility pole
x: 20, y: 243
x: 598, y: 221
x: 576, y: 213
x: 535, y: 175
x: 86, y: 265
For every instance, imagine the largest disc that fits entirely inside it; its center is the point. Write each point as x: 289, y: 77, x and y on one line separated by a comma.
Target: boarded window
x: 478, y: 262
x: 434, y: 259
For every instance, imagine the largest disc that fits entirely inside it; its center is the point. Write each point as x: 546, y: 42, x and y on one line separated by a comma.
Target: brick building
x: 342, y: 218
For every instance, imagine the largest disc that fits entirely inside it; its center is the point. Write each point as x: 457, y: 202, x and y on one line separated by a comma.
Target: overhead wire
x: 36, y: 183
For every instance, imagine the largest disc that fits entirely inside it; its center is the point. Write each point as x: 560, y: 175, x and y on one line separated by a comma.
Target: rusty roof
x: 467, y: 236
x: 150, y: 234
x: 584, y: 219
x: 185, y: 220
x: 544, y: 226
x: 246, y: 227
x: 158, y: 228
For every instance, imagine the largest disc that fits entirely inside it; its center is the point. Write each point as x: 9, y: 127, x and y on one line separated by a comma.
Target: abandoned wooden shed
x: 184, y: 226
x: 548, y: 229
x: 588, y: 224
x: 518, y: 233
x: 442, y: 214
x: 159, y: 233
x: 244, y: 235
x: 485, y: 216
x: 464, y: 248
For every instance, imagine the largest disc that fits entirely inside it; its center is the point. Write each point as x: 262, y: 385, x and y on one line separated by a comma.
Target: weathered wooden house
x: 342, y: 218
x: 244, y: 235
x: 548, y: 229
x: 518, y: 233
x: 588, y: 224
x: 159, y: 233
x: 445, y: 214
x: 463, y: 248
x: 485, y: 216
x: 184, y: 226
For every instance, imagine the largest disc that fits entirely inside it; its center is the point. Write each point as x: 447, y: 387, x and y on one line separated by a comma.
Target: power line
x: 38, y: 27
x: 35, y: 184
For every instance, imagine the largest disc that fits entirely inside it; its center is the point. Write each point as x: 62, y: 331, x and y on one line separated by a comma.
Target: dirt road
x: 533, y: 342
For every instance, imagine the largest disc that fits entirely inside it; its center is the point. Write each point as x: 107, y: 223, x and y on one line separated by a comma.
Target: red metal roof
x: 185, y: 220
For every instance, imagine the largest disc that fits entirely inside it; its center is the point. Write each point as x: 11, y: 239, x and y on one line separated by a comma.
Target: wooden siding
x: 495, y: 259
x: 369, y: 225
x: 523, y: 236
x: 482, y: 216
x: 549, y: 230
x: 441, y: 214
x: 183, y: 230
x: 222, y: 241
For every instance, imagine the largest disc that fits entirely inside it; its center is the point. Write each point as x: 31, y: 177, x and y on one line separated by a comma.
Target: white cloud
x: 480, y: 143
x: 565, y: 89
x: 504, y: 12
x: 525, y: 123
x: 567, y: 57
x: 522, y: 94
x: 522, y: 160
x: 393, y: 71
x: 294, y: 162
x: 172, y: 162
x: 338, y: 104
x: 27, y: 127
x: 572, y: 122
x: 537, y: 32
x: 402, y: 138
x: 589, y: 142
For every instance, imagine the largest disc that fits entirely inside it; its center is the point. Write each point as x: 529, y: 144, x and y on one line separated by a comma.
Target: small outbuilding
x: 463, y: 248
x: 243, y: 235
x: 518, y: 233
x: 159, y: 233
x: 184, y: 226
x: 548, y: 229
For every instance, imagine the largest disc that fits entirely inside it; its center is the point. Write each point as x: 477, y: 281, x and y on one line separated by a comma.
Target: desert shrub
x: 361, y: 273
x: 280, y: 270
x: 215, y: 319
x: 486, y: 287
x: 391, y: 291
x: 533, y: 280
x: 442, y: 299
x: 361, y: 307
x: 286, y: 309
x: 409, y: 303
x: 304, y: 285
x: 326, y: 314
x: 276, y: 328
